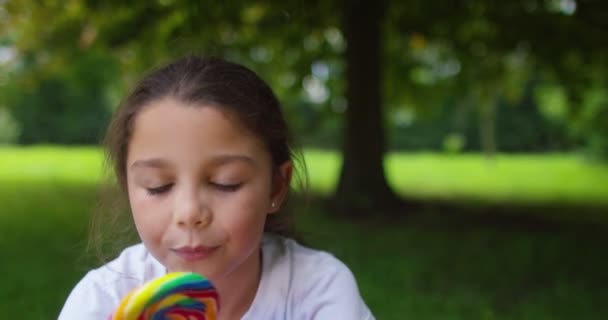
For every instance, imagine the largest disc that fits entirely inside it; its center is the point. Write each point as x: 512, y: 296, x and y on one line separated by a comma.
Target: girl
x: 203, y: 152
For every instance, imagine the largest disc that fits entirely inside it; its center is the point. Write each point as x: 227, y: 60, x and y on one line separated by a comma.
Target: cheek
x: 141, y: 202
x: 137, y: 202
x: 245, y: 214
x: 146, y: 214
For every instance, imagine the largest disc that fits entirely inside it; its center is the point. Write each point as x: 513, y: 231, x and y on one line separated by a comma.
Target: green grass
x: 431, y: 266
x: 552, y: 178
x: 50, y: 163
x: 548, y: 178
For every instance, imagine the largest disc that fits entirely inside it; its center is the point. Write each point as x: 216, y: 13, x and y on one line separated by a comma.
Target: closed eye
x: 159, y: 190
x: 226, y: 187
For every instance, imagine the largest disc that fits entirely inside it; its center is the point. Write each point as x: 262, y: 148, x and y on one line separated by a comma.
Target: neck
x: 237, y: 291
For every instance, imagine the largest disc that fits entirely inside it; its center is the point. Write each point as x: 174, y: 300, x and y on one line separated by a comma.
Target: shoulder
x: 309, y: 264
x: 320, y: 286
x: 101, y: 289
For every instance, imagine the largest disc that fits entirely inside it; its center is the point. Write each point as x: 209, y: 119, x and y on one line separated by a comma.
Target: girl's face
x: 200, y: 187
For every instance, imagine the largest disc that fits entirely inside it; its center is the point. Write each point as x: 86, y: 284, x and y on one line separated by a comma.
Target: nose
x: 190, y: 210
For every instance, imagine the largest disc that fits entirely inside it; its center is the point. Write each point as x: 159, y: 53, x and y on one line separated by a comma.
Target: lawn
x: 520, y: 178
x: 431, y: 266
x: 545, y: 178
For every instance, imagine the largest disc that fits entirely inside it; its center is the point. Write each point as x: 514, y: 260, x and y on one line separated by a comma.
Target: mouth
x: 196, y: 253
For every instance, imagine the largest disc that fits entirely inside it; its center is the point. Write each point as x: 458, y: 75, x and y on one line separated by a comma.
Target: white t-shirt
x: 296, y: 283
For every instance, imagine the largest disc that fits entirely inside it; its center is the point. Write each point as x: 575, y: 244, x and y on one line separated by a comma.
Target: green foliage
x: 480, y: 53
x: 597, y: 135
x: 520, y: 126
x: 585, y: 119
x: 478, y: 58
x: 593, y: 123
x: 69, y: 105
x: 9, y: 129
x: 453, y: 143
x: 523, y: 127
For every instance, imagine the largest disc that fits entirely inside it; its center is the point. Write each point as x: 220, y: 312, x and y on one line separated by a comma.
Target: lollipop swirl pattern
x: 175, y: 296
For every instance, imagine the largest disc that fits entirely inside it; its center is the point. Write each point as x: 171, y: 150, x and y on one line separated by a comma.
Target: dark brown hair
x: 194, y: 81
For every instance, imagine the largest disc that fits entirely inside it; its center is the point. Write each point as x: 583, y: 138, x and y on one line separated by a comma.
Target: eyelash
x: 226, y: 187
x: 222, y: 187
x: 159, y: 190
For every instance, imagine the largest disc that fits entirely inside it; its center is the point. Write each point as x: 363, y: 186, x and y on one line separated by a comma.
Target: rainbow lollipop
x: 175, y: 296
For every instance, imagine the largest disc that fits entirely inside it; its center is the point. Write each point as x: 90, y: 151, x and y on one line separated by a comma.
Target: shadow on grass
x: 43, y: 229
x: 477, y: 212
x: 466, y: 261
x: 436, y: 261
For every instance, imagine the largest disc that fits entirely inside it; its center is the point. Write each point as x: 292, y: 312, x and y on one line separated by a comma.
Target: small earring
x: 272, y: 204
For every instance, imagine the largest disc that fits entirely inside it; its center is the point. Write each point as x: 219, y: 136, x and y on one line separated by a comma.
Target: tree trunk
x: 362, y: 188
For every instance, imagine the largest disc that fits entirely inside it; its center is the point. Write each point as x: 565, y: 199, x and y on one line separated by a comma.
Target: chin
x: 205, y: 272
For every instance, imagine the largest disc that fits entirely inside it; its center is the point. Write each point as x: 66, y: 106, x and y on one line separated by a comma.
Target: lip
x: 196, y: 253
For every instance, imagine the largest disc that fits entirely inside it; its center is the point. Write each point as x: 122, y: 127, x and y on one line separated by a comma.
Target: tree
x: 363, y: 188
x: 474, y: 52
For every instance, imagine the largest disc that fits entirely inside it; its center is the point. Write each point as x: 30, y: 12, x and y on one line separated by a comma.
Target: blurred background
x: 457, y: 151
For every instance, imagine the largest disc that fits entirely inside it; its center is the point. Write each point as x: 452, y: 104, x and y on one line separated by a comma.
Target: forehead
x: 175, y: 131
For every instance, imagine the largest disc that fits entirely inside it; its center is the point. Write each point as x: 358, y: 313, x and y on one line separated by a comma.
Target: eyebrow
x: 223, y: 159
x: 217, y: 160
x: 154, y: 163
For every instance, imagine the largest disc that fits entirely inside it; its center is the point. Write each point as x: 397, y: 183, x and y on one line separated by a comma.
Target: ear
x: 280, y: 186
